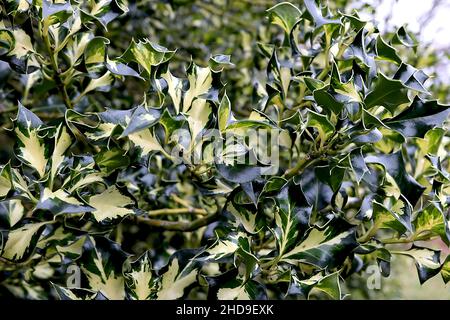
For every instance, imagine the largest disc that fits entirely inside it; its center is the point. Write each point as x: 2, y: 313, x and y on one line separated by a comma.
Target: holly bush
x: 308, y: 150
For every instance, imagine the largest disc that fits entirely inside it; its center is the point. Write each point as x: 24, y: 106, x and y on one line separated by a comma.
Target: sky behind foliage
x: 427, y: 18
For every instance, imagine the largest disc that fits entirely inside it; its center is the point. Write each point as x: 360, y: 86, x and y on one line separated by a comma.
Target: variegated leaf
x: 110, y: 204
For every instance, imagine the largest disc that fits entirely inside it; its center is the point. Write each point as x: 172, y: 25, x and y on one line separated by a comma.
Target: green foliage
x: 310, y: 153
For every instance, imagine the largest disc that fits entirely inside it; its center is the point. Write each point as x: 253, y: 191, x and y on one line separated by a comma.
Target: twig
x: 300, y: 166
x: 183, y: 202
x: 369, y: 234
x: 394, y: 240
x: 184, y: 226
x: 190, y: 210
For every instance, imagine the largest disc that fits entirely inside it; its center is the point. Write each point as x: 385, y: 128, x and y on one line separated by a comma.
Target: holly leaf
x: 395, y: 167
x: 285, y: 15
x: 431, y: 220
x: 318, y: 19
x: 321, y: 248
x: 110, y: 204
x: 147, y: 54
x: 291, y: 217
x: 427, y: 262
x: 140, y: 280
x: 386, y: 52
x: 420, y: 117
x: 30, y: 145
x: 328, y: 284
x: 388, y: 93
